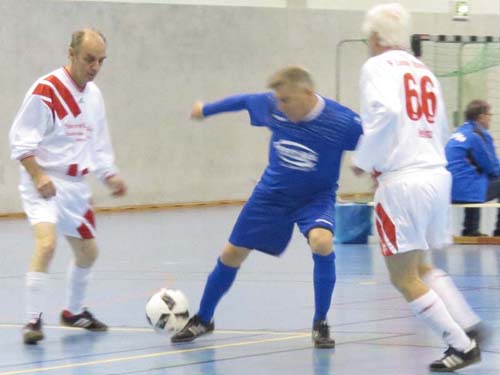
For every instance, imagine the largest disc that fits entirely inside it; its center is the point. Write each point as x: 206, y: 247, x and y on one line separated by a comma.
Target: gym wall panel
x: 161, y: 58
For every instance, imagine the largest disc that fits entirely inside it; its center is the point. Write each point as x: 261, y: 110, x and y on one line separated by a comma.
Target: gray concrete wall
x: 162, y: 57
x: 425, y: 6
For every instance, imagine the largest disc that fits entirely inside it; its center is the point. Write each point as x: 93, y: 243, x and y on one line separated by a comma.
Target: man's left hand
x: 117, y: 186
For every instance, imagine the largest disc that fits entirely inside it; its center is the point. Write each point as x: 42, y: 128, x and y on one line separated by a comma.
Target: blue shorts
x: 266, y: 221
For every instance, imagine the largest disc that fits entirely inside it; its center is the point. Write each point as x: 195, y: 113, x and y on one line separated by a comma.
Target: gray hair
x: 391, y: 23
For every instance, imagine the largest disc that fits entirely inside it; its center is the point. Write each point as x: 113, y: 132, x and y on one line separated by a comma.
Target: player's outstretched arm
x: 253, y: 103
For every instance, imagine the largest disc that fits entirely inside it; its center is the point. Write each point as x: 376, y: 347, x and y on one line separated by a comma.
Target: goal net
x: 468, y: 68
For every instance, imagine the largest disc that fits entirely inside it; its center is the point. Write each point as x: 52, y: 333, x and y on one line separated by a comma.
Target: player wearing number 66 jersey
x: 404, y: 116
x: 405, y: 131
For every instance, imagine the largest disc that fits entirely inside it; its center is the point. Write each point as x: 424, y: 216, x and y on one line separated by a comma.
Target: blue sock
x: 218, y: 283
x: 324, y: 282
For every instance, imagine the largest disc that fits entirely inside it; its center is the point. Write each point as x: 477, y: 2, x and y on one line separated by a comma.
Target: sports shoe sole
x: 63, y: 323
x: 32, y: 338
x: 456, y: 368
x: 324, y: 345
x: 188, y: 339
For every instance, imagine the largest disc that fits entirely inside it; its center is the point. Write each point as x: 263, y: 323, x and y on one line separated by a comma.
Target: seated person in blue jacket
x: 474, y: 165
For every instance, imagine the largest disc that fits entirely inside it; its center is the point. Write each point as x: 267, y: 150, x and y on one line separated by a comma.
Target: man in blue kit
x: 474, y: 165
x: 309, y: 135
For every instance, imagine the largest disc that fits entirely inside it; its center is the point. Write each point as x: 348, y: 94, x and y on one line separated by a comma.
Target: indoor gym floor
x: 263, y: 323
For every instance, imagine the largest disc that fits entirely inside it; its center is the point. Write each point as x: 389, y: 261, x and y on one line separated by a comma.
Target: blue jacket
x: 472, y: 160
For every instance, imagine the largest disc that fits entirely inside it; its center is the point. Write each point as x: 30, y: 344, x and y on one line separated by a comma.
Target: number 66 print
x: 421, y: 102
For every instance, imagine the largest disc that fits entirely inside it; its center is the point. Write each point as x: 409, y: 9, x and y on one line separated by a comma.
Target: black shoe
x: 479, y: 333
x: 32, y: 331
x: 83, y: 320
x: 454, y: 360
x: 321, y: 335
x: 193, y: 328
x: 473, y: 233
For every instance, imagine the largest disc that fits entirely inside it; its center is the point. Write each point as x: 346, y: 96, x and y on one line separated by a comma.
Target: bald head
x: 87, y: 52
x: 87, y: 34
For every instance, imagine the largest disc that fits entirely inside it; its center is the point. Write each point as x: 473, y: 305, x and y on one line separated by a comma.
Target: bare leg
x: 424, y: 302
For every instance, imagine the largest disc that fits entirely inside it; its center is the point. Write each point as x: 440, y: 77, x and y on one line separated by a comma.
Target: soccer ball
x: 167, y: 310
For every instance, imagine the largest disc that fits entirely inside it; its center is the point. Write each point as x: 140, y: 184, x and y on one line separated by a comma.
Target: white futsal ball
x: 167, y: 310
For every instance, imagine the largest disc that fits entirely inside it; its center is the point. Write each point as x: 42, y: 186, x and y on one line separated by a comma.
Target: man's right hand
x: 42, y: 182
x: 197, y: 111
x: 45, y: 187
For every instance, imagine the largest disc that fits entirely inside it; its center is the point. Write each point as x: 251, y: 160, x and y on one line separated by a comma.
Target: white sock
x: 36, y: 293
x: 431, y: 309
x: 78, y: 279
x: 457, y: 306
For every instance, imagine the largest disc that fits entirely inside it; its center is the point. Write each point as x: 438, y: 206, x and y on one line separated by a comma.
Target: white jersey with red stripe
x: 405, y: 131
x: 404, y: 116
x: 64, y: 127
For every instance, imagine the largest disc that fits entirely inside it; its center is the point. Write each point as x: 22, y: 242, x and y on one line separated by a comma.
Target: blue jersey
x: 304, y: 157
x: 472, y: 160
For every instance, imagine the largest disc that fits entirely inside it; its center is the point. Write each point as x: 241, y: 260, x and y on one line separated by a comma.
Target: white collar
x: 316, y: 111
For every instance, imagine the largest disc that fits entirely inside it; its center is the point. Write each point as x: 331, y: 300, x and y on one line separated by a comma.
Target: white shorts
x: 70, y: 209
x: 413, y: 212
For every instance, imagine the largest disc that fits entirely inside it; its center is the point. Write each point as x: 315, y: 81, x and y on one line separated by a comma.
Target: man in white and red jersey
x: 405, y: 131
x: 59, y: 135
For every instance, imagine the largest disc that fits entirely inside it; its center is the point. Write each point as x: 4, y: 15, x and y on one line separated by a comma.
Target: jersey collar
x: 316, y: 111
x: 72, y: 81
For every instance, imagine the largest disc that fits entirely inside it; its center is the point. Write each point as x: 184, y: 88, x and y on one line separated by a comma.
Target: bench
x: 456, y: 239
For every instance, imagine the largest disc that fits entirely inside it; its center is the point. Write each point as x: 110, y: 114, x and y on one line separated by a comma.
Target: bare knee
x: 402, y: 284
x: 85, y: 251
x: 234, y: 256
x: 404, y: 270
x: 44, y: 253
x: 411, y: 287
x: 90, y: 254
x: 45, y: 245
x: 321, y: 241
x: 424, y: 269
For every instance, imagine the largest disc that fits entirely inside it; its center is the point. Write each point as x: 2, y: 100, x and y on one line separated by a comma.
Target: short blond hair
x: 391, y: 24
x: 291, y: 75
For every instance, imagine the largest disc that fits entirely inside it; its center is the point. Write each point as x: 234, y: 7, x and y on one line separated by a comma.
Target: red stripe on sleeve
x: 55, y: 104
x: 65, y: 94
